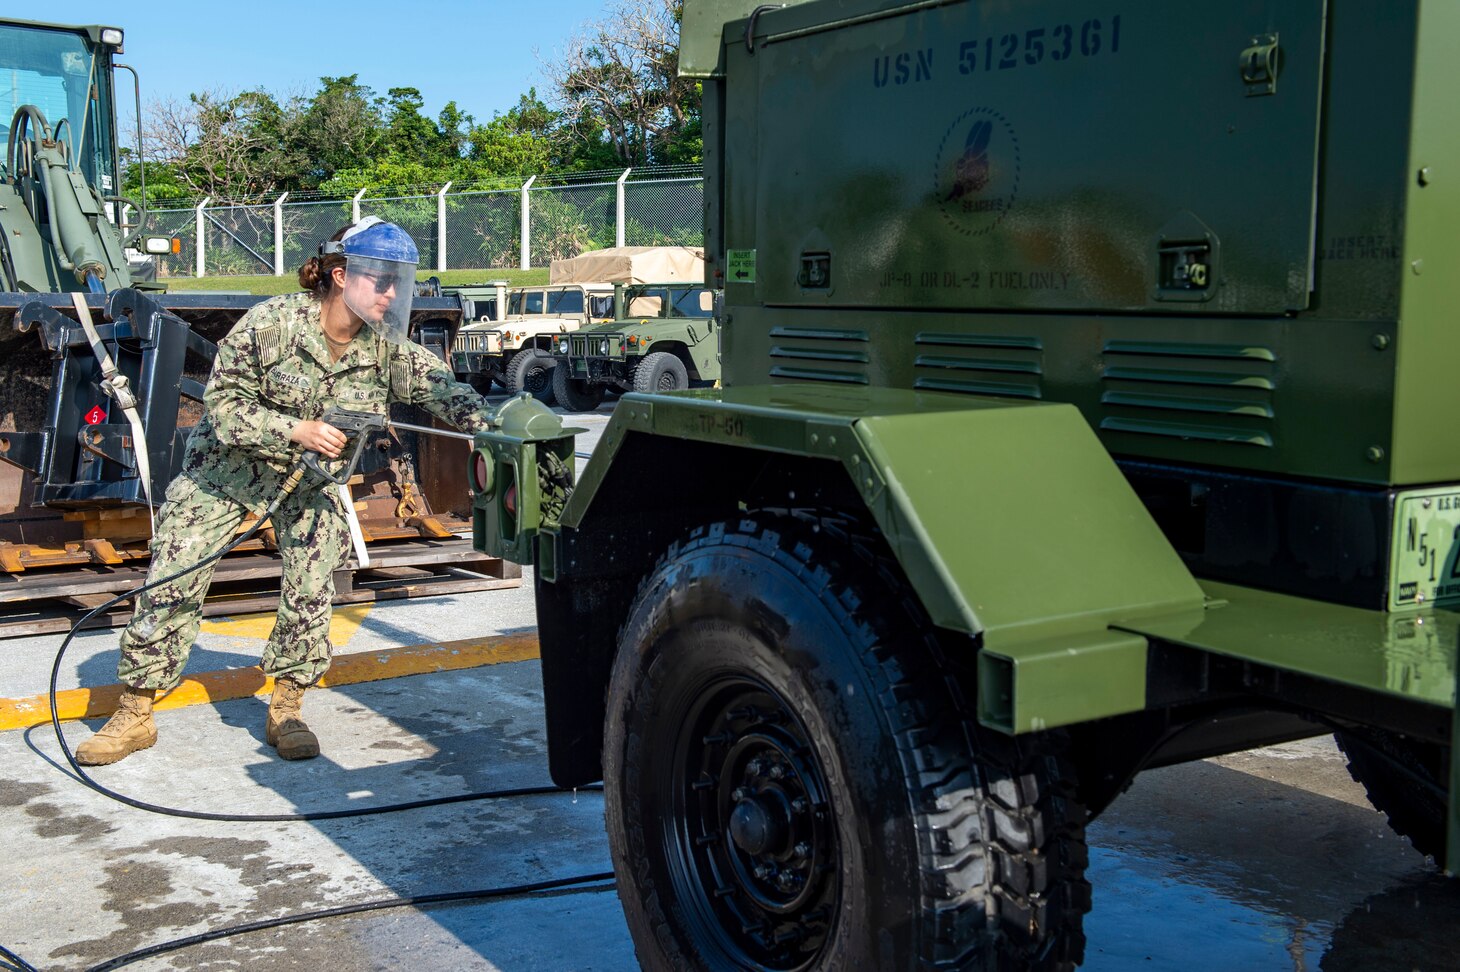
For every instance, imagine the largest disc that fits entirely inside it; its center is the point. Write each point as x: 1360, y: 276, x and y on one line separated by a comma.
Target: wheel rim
x: 752, y: 847
x: 667, y: 380
x: 537, y: 379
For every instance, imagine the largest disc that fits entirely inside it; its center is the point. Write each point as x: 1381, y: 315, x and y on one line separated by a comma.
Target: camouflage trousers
x: 195, y: 523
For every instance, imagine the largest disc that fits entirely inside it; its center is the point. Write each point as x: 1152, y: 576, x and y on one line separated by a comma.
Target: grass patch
x: 270, y: 286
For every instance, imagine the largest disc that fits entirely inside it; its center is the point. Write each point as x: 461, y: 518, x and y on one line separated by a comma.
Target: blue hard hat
x: 375, y: 239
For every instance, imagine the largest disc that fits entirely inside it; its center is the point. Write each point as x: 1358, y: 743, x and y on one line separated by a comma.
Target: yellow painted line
x: 344, y: 622
x: 242, y: 683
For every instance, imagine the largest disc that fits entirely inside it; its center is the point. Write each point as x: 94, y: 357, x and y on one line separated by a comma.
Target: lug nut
x: 777, y: 771
x: 739, y: 794
x: 799, y: 805
x: 802, y: 849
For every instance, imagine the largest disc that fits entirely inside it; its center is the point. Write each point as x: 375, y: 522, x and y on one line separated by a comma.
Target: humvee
x: 663, y: 338
x: 513, y: 351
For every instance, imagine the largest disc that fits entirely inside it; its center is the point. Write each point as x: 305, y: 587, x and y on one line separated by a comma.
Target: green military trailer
x: 1086, y: 373
x: 663, y: 338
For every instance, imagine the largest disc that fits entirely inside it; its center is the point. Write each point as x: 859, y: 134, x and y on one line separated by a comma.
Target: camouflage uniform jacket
x: 274, y: 370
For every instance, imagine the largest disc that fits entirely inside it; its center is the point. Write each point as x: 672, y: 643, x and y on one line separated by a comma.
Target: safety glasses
x: 381, y: 282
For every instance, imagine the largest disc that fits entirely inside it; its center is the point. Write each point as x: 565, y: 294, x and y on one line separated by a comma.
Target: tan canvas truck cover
x: 632, y: 265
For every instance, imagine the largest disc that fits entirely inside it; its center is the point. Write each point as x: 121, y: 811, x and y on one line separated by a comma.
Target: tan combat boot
x: 285, y: 729
x: 129, y: 729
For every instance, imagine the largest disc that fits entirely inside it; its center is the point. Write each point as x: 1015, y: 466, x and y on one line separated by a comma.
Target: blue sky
x: 481, y: 55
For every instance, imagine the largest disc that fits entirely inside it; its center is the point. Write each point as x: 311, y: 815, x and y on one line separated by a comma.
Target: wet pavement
x: 1263, y: 860
x: 1271, y: 859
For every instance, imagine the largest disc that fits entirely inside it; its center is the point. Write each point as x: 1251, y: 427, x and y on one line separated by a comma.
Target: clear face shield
x: 380, y: 292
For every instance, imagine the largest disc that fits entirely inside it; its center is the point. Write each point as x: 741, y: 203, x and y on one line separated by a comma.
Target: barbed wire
x: 497, y: 184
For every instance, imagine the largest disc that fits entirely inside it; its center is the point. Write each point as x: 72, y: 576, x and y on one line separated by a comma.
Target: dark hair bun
x: 311, y: 273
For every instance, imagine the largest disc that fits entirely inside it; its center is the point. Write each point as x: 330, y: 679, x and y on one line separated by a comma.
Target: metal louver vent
x: 808, y: 350
x: 979, y: 364
x: 1211, y: 392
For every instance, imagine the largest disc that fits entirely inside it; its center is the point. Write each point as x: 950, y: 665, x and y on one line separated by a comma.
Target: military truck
x: 1088, y: 418
x: 517, y: 353
x: 663, y: 338
x: 513, y: 352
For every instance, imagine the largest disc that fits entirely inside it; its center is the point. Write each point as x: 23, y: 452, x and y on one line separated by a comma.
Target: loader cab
x: 65, y: 72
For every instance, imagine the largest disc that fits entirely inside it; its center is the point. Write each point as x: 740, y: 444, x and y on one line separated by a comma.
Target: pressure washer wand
x: 430, y: 431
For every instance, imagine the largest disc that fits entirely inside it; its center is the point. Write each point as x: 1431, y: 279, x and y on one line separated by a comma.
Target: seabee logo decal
x: 977, y: 175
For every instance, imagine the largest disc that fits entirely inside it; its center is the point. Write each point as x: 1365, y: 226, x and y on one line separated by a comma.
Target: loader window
x: 58, y: 72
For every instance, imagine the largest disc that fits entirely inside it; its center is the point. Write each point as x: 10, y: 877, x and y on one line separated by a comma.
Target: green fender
x: 1010, y: 520
x: 704, y: 349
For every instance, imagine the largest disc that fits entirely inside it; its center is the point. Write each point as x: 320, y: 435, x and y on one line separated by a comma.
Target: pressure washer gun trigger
x: 357, y: 427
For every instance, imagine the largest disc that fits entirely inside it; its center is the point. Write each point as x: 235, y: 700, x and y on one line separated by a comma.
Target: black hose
x: 17, y: 964
x: 9, y: 960
x: 82, y: 775
x: 517, y: 890
x: 289, y: 487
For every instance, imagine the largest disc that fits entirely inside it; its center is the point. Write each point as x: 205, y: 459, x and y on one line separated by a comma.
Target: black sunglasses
x: 380, y: 281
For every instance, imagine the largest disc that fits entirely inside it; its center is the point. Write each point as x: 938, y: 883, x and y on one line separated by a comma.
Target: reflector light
x: 509, y: 502
x: 481, y: 473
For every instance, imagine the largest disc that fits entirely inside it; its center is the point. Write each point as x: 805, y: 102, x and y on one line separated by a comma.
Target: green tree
x: 339, y: 128
x: 620, y: 91
x: 519, y: 143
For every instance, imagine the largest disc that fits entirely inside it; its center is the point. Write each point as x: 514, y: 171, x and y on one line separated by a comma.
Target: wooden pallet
x: 51, y: 602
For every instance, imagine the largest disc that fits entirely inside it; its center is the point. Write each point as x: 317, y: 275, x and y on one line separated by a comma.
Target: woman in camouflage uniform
x: 341, y: 342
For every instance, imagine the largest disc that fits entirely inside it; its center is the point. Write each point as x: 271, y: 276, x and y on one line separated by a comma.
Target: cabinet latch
x: 815, y: 271
x: 1259, y: 65
x: 1185, y: 271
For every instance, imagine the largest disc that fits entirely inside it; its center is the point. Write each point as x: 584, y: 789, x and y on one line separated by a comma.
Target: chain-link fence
x: 307, y: 224
x: 566, y: 220
x: 664, y: 212
x: 414, y: 214
x: 484, y: 229
x: 181, y: 225
x: 238, y: 240
x: 463, y: 230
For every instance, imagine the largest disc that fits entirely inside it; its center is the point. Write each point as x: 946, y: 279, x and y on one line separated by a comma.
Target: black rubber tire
x: 531, y: 370
x: 930, y: 841
x: 1406, y: 780
x: 574, y: 394
x: 660, y: 371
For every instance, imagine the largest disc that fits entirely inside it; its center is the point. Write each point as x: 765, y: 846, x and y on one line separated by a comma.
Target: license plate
x: 1424, y: 567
